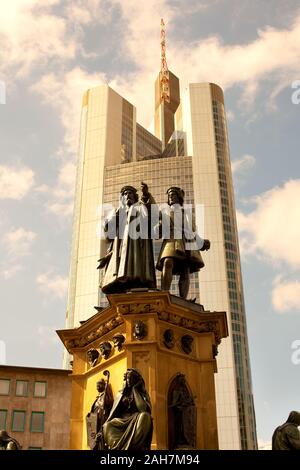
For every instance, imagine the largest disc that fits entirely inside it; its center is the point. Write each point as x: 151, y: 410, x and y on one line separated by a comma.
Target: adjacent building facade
x: 35, y: 406
x: 190, y: 150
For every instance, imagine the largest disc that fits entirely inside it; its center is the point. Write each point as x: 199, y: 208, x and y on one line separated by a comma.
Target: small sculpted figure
x: 118, y: 340
x: 129, y: 425
x: 105, y: 349
x: 98, y: 415
x: 287, y: 436
x: 169, y: 340
x: 7, y: 442
x: 183, y: 411
x: 129, y: 262
x: 180, y: 250
x: 187, y: 343
x: 139, y: 329
x: 92, y: 357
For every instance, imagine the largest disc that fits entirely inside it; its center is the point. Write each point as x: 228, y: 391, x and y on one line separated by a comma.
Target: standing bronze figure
x: 99, y: 413
x: 129, y: 262
x: 182, y: 415
x: 176, y: 255
x: 7, y: 442
x: 129, y: 425
x: 287, y: 436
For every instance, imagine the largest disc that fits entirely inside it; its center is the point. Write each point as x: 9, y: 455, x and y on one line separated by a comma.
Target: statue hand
x: 144, y: 189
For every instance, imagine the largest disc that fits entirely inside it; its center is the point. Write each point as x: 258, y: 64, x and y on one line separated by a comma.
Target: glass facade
x: 202, y: 117
x: 115, y: 150
x: 147, y: 145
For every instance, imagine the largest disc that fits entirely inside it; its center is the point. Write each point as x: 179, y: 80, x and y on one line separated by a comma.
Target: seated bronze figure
x: 129, y: 425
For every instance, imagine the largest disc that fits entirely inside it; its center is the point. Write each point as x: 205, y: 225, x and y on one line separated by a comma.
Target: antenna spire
x: 164, y: 71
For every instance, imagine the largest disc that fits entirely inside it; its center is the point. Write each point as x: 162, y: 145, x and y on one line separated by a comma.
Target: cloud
x: 272, y: 229
x: 32, y: 36
x: 230, y: 115
x: 53, y: 285
x: 62, y: 200
x: 18, y: 242
x: 15, y: 182
x: 11, y: 271
x: 274, y: 53
x: 63, y: 92
x: 243, y: 164
x: 16, y: 245
x: 272, y: 57
x: 286, y: 295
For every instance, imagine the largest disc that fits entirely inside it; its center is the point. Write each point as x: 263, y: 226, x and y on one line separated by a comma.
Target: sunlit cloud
x: 15, y: 181
x: 52, y: 285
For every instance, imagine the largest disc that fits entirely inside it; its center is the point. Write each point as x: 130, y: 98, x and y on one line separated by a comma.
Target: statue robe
x: 130, y: 261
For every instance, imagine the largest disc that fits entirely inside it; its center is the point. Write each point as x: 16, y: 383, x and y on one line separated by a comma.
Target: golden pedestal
x: 157, y: 361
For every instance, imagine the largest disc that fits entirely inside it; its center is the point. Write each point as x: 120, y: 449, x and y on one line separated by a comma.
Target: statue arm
x: 293, y: 436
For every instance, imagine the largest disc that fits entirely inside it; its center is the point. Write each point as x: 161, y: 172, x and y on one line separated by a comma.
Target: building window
x: 4, y: 386
x: 18, y: 420
x: 37, y: 421
x: 22, y: 388
x: 40, y: 389
x: 3, y: 416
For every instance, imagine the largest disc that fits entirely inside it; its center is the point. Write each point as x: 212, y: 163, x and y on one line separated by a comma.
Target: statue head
x: 294, y: 418
x: 129, y: 195
x: 169, y: 338
x: 92, y: 356
x: 4, y: 437
x: 105, y: 349
x: 101, y: 385
x: 139, y: 329
x: 187, y: 343
x: 118, y: 340
x: 175, y: 195
x: 133, y: 377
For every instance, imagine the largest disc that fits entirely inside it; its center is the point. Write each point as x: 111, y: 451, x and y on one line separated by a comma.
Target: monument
x: 156, y: 348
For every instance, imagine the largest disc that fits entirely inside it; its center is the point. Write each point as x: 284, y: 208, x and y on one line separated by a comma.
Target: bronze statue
x: 99, y: 413
x: 129, y: 425
x: 287, y: 436
x: 180, y: 251
x: 169, y: 340
x: 187, y: 343
x: 105, y: 349
x: 182, y: 415
x: 129, y: 262
x: 7, y: 442
x: 139, y: 329
x: 92, y: 356
x: 118, y: 340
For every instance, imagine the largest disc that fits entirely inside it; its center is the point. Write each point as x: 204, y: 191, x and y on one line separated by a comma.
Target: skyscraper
x: 190, y: 150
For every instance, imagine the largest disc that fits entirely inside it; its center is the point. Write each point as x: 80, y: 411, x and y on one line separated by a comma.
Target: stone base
x: 189, y: 349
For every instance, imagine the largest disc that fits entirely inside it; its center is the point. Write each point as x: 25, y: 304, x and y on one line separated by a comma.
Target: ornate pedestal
x: 173, y: 343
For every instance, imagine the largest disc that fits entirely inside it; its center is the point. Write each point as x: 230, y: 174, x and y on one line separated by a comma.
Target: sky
x: 50, y: 53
